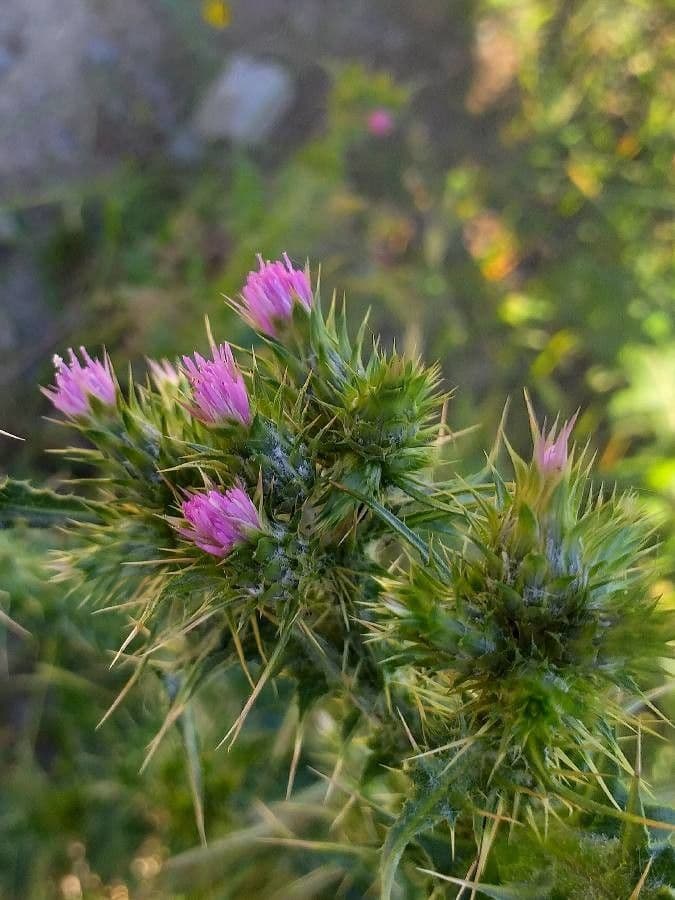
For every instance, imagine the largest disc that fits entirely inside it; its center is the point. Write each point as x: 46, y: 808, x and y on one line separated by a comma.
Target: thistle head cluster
x: 285, y: 461
x: 282, y: 515
x: 532, y: 626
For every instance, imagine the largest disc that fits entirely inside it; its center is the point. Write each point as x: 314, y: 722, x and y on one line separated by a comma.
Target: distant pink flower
x: 218, y: 521
x: 380, y: 122
x: 270, y: 293
x: 218, y: 388
x: 75, y: 384
x: 163, y: 372
x: 550, y: 450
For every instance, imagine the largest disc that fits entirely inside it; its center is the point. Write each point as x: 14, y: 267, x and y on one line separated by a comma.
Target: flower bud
x: 218, y: 388
x: 269, y: 295
x: 217, y: 521
x: 76, y: 384
x: 550, y: 453
x: 380, y: 122
x: 163, y: 373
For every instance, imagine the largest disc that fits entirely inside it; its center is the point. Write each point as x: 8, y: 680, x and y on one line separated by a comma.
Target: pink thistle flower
x: 550, y: 453
x: 163, y: 372
x: 218, y: 521
x: 75, y: 384
x: 380, y: 122
x: 270, y: 293
x: 218, y: 388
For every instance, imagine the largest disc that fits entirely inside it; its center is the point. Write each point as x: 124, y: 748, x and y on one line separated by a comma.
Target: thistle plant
x: 525, y: 644
x: 480, y: 643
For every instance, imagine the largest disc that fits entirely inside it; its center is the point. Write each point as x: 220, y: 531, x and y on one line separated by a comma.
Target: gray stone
x: 101, y: 52
x: 7, y: 60
x: 245, y: 102
x: 83, y: 85
x: 186, y: 148
x: 8, y: 228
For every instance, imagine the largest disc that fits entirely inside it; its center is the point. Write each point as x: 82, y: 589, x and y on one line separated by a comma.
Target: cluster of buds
x: 282, y: 492
x: 521, y: 641
x: 216, y: 521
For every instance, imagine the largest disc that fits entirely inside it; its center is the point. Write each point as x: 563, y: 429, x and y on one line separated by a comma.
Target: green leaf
x: 499, y: 892
x: 589, y: 805
x: 193, y: 764
x: 409, y: 488
x: 41, y: 507
x: 419, y: 814
x: 395, y: 524
x: 527, y: 523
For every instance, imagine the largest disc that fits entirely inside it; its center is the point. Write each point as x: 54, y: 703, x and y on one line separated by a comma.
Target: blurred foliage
x: 543, y: 257
x: 77, y: 818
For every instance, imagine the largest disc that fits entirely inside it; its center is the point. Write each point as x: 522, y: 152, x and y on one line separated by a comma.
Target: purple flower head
x: 163, y: 372
x: 550, y: 450
x: 218, y: 388
x: 380, y: 122
x: 75, y: 383
x: 218, y: 521
x: 270, y: 293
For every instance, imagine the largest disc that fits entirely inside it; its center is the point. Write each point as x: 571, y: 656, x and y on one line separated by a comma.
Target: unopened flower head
x: 219, y: 520
x: 218, y: 388
x: 550, y: 453
x: 163, y: 373
x: 76, y: 383
x: 380, y: 122
x: 269, y: 295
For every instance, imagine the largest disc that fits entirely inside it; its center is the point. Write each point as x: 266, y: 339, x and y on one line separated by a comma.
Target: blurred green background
x: 508, y: 211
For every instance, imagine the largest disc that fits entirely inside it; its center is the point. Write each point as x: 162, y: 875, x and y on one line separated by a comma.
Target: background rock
x: 245, y: 102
